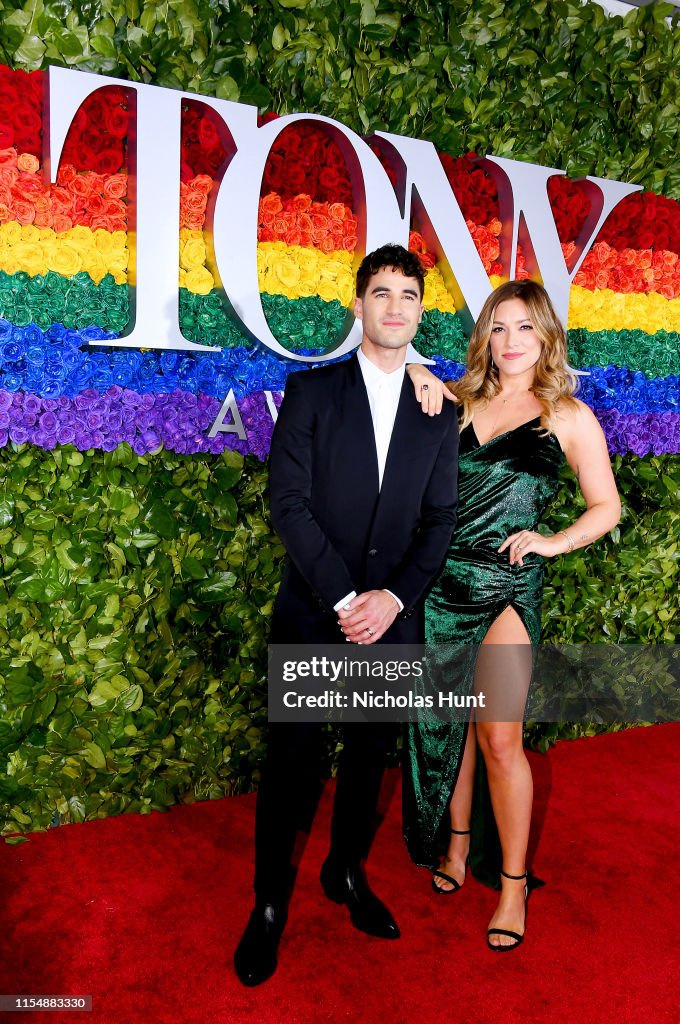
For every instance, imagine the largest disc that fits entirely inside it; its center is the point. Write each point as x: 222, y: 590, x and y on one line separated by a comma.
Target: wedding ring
x: 424, y: 387
x: 370, y: 631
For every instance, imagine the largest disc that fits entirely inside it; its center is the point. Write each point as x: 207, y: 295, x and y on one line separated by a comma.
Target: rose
x: 117, y: 122
x: 110, y: 160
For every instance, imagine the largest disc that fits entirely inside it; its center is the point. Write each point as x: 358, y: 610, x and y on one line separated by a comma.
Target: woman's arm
x: 430, y: 391
x: 585, y: 449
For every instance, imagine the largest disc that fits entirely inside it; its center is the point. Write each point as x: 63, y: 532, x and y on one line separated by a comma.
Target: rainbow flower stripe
x: 63, y: 286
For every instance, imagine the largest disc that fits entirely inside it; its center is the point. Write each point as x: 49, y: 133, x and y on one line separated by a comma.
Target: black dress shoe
x: 349, y: 886
x: 255, y: 956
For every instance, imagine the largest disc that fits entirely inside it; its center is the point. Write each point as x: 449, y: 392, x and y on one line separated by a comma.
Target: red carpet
x: 143, y: 913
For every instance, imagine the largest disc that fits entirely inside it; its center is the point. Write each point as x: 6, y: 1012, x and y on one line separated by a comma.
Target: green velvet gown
x: 503, y: 486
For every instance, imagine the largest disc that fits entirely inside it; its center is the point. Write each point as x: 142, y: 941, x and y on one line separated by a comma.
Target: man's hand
x: 368, y: 616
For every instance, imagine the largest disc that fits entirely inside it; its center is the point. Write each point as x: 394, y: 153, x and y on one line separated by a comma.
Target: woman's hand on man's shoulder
x: 429, y: 390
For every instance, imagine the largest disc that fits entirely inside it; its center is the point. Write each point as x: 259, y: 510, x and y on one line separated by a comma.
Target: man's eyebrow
x: 386, y: 288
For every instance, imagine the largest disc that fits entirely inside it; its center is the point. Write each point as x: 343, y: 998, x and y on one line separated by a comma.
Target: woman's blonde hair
x: 554, y: 380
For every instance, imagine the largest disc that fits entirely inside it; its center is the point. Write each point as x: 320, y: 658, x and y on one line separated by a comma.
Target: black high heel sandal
x: 448, y: 878
x: 531, y: 883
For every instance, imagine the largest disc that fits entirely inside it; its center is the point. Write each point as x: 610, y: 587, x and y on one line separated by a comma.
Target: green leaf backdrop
x: 136, y: 590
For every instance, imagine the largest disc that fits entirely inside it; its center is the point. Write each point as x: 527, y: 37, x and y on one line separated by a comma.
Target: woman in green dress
x: 519, y: 421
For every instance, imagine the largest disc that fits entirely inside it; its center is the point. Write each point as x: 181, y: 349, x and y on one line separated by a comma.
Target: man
x: 363, y: 495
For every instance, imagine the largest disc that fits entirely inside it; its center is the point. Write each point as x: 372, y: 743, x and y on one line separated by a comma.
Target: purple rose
x: 18, y: 433
x: 48, y: 422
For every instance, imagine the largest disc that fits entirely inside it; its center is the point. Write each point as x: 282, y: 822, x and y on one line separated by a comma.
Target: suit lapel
x: 405, y: 433
x: 357, y: 426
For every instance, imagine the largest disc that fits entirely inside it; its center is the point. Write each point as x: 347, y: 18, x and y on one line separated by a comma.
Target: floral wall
x: 138, y: 560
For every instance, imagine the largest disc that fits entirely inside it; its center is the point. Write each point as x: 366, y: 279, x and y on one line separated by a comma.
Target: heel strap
x: 515, y: 878
x: 461, y: 832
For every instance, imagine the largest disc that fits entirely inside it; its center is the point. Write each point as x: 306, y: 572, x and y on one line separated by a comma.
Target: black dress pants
x: 290, y: 789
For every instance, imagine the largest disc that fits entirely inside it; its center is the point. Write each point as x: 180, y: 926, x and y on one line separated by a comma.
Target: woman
x: 519, y: 421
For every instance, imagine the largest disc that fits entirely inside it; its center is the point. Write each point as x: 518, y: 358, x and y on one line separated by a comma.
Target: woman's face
x: 515, y: 346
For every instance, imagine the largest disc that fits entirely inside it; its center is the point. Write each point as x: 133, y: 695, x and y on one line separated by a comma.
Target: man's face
x: 390, y: 310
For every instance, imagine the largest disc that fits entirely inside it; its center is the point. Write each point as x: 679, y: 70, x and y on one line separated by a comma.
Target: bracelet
x: 569, y: 540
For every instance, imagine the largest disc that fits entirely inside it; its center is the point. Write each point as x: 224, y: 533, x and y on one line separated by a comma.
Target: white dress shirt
x: 384, y: 391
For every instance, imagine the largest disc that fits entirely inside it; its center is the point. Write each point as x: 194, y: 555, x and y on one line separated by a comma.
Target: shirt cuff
x: 401, y: 606
x: 345, y: 600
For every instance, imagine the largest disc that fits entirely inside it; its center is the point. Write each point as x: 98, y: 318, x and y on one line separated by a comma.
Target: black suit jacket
x: 340, y: 531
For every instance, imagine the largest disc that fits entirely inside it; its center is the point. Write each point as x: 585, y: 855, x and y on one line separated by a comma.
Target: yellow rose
x: 117, y: 265
x: 65, y: 259
x: 31, y: 257
x: 8, y: 263
x: 78, y: 234
x: 199, y: 281
x: 10, y: 232
x: 346, y: 289
x: 193, y: 253
x: 308, y: 261
x: 104, y: 241
x: 286, y: 275
x: 96, y: 265
x: 30, y: 233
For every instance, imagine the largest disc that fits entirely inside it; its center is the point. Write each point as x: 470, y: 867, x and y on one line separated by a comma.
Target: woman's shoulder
x: 575, y: 421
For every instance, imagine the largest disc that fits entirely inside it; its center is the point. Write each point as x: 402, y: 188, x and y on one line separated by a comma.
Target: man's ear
x: 358, y: 308
x: 422, y: 310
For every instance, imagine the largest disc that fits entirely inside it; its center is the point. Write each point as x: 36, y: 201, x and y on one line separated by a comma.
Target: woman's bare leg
x: 509, y: 774
x: 459, y: 811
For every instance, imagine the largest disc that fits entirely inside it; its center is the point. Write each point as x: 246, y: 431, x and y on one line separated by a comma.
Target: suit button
x: 372, y: 553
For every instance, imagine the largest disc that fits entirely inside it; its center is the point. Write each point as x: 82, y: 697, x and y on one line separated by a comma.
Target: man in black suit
x: 363, y: 495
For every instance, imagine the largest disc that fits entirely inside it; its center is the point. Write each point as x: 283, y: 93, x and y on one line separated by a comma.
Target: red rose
x: 117, y: 122
x: 110, y: 160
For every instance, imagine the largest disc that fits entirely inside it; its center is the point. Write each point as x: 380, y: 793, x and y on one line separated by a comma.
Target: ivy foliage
x: 556, y: 82
x: 134, y: 613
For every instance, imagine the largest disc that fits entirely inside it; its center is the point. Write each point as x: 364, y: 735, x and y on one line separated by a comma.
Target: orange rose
x: 60, y: 222
x: 28, y: 162
x: 115, y: 187
x: 81, y: 186
x: 337, y: 211
x: 301, y: 203
x: 270, y: 204
x: 24, y: 212
x: 202, y: 183
x: 96, y: 205
x: 28, y: 186
x: 101, y: 221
